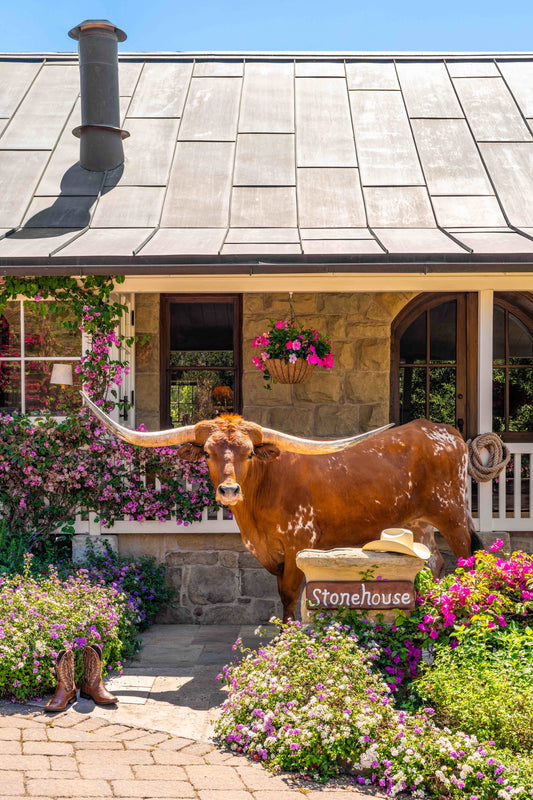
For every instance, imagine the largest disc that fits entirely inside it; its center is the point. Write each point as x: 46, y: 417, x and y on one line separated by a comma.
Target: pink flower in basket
x: 288, y: 342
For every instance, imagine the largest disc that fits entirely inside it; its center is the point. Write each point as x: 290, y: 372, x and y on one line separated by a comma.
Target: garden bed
x: 351, y: 696
x: 107, y: 601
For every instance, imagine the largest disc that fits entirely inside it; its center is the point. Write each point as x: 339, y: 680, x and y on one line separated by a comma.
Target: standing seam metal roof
x: 356, y: 157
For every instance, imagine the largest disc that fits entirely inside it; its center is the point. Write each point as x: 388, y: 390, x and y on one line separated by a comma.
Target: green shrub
x: 139, y: 577
x: 485, y: 686
x: 39, y: 617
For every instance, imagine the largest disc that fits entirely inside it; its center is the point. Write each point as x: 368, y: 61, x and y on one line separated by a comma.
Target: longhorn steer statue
x: 288, y: 494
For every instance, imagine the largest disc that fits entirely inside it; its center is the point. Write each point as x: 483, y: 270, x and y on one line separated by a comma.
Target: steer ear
x: 266, y: 452
x: 190, y: 452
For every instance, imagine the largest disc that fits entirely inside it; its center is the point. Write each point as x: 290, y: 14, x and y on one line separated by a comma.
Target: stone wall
x: 215, y: 579
x: 352, y: 397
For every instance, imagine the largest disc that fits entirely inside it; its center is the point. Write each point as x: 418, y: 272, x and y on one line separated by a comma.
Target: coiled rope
x: 499, y: 456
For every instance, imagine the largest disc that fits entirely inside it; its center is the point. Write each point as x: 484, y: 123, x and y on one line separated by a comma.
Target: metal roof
x: 363, y: 158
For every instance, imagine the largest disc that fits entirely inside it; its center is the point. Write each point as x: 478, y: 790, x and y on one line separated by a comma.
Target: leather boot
x: 92, y: 687
x: 65, y: 692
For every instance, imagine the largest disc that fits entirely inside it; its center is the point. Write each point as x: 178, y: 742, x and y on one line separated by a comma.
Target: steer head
x: 229, y: 443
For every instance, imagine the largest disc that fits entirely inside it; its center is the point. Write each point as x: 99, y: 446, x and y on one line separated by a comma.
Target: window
x: 428, y: 364
x: 200, y: 357
x: 434, y: 362
x: 30, y: 344
x: 513, y: 371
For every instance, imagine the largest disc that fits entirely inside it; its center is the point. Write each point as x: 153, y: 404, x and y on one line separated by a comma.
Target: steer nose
x: 229, y: 491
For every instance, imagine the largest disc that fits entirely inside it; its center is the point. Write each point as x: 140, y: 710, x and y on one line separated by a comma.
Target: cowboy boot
x: 65, y: 692
x: 92, y: 687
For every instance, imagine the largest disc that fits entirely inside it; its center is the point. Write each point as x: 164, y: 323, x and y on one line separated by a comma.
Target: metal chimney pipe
x: 100, y: 134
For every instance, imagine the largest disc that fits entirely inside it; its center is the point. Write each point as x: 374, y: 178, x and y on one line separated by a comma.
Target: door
x: 200, y: 357
x: 434, y: 364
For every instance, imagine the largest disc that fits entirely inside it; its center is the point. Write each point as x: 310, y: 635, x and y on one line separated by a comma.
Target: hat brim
x: 418, y: 550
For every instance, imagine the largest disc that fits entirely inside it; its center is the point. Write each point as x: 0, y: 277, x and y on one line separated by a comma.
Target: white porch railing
x: 213, y: 520
x: 506, y: 504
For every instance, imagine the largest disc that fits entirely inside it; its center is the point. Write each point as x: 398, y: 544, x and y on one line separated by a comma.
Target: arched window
x: 513, y: 367
x: 434, y: 362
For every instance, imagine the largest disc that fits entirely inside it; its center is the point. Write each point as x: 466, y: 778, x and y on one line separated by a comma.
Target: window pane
x: 520, y: 342
x: 201, y: 326
x: 443, y: 332
x: 442, y: 395
x: 46, y: 335
x: 521, y: 399
x: 413, y: 342
x: 412, y: 393
x: 212, y: 358
x: 42, y: 396
x: 197, y: 394
x: 10, y: 330
x: 498, y: 335
x: 498, y: 400
x: 9, y: 386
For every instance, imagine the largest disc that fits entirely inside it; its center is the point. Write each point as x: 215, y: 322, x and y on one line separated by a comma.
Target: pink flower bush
x: 49, y: 470
x: 494, y: 590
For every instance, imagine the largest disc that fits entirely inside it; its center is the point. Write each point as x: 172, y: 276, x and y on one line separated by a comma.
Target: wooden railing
x: 506, y: 504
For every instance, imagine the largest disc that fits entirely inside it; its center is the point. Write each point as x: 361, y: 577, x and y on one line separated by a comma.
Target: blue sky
x: 293, y: 25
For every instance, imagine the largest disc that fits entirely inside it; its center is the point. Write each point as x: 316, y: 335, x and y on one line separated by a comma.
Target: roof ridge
x: 231, y: 55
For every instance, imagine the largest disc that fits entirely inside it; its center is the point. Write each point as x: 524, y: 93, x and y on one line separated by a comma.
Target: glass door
x: 432, y: 365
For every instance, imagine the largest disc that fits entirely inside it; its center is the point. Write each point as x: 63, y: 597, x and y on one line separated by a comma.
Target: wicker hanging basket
x: 284, y: 372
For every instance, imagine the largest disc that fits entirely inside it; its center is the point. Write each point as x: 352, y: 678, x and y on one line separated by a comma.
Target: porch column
x: 484, y: 395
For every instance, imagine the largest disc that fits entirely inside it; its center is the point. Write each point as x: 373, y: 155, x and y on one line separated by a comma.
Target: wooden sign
x: 378, y: 595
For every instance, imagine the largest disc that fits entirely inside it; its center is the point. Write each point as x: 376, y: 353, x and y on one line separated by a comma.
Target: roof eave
x: 232, y: 265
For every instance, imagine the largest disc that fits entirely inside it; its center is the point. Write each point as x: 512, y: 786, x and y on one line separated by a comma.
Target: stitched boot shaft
x: 65, y: 692
x: 92, y: 687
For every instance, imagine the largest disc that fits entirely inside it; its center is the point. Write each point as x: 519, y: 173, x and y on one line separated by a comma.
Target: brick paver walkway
x: 155, y: 743
x: 83, y: 756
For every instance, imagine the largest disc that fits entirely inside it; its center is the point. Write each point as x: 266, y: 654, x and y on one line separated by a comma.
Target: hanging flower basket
x: 287, y: 372
x: 290, y: 352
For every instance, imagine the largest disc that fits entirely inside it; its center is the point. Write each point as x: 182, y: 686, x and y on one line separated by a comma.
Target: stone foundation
x: 215, y: 579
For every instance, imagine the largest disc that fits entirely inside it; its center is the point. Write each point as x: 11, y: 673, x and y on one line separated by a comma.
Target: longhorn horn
x: 311, y: 447
x: 143, y: 438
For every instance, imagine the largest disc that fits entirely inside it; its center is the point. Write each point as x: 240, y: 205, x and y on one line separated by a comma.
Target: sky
x: 276, y: 25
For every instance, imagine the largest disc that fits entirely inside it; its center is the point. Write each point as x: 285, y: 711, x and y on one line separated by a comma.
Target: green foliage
x: 485, y: 685
x: 89, y: 291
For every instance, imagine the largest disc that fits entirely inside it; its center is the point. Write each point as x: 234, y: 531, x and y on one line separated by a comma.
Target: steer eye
x: 251, y: 455
x: 206, y: 455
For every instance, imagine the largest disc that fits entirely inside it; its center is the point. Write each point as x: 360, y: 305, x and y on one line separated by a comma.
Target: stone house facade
x: 391, y: 194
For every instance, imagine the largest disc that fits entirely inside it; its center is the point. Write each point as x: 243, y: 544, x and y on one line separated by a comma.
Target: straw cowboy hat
x: 399, y: 540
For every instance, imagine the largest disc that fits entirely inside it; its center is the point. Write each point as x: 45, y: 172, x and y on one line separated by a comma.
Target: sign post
x: 374, y: 582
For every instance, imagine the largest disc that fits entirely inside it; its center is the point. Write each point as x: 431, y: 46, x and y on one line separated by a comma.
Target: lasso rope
x: 498, y: 459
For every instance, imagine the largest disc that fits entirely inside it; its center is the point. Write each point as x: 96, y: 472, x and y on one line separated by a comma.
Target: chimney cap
x: 97, y: 23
